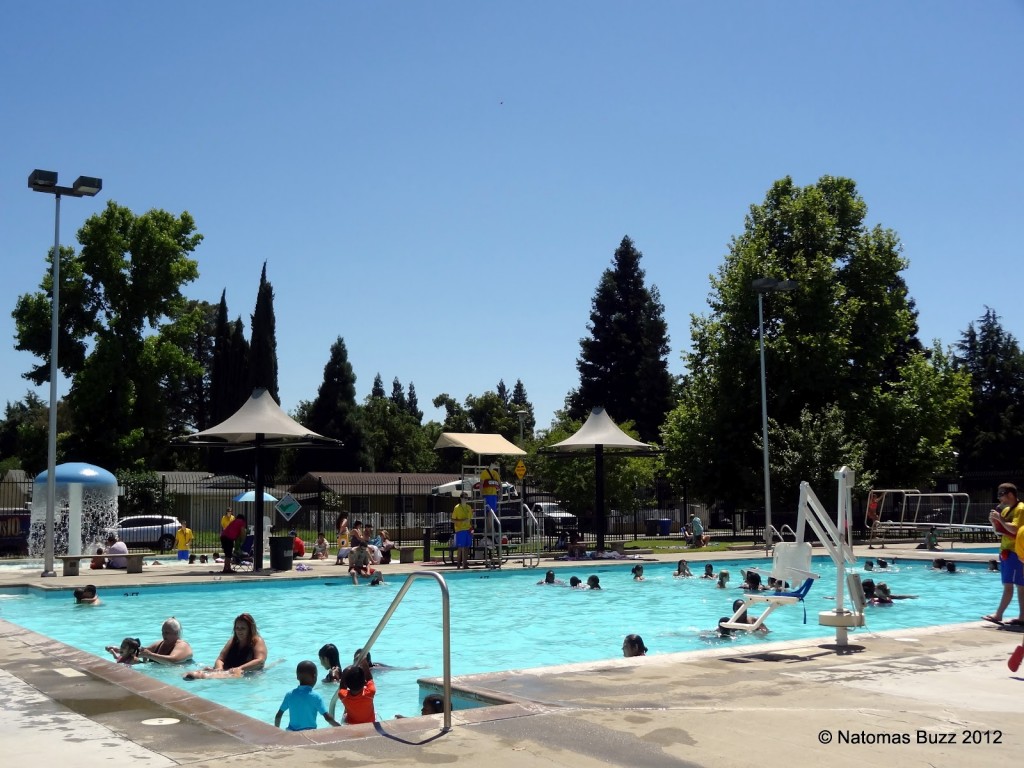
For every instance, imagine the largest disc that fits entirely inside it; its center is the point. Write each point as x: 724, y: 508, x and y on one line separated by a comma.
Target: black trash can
x: 664, y: 526
x: 281, y: 552
x: 650, y: 528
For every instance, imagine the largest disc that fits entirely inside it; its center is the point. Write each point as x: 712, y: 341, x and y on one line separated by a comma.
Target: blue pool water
x: 500, y: 620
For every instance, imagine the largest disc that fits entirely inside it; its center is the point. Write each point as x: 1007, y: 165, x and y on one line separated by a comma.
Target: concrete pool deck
x: 892, y: 697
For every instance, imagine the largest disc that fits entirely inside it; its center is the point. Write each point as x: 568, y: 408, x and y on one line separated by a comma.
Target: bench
x: 72, y: 563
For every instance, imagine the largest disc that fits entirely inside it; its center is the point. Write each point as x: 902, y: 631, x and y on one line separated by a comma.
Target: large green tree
x: 992, y: 436
x: 120, y: 299
x: 623, y: 364
x: 845, y: 339
x: 396, y: 442
x: 335, y: 413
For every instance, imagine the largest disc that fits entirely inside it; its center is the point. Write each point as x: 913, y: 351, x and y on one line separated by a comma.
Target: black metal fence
x: 404, y: 507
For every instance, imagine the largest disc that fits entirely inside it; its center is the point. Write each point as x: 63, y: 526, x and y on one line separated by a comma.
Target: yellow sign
x: 520, y: 470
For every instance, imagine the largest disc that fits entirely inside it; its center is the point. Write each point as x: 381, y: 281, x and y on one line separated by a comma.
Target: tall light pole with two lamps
x: 765, y: 285
x: 84, y: 186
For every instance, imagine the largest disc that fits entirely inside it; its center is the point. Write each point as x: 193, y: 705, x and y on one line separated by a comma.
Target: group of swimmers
x: 593, y: 582
x: 246, y: 652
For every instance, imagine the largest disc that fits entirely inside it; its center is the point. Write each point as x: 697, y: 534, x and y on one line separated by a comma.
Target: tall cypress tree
x: 623, y: 364
x: 263, y: 347
x: 219, y: 398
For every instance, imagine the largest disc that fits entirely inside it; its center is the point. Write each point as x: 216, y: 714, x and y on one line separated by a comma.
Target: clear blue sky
x: 442, y: 184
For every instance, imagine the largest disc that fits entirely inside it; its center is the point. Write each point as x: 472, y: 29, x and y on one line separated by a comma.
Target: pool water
x: 500, y: 620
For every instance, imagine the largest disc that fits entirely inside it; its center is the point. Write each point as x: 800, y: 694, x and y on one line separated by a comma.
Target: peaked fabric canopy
x: 260, y: 415
x: 600, y: 432
x: 485, y: 445
x: 260, y: 423
x: 599, y: 429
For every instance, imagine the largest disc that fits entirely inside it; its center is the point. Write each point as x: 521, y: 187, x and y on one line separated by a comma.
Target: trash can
x: 650, y: 528
x: 665, y: 526
x: 281, y: 552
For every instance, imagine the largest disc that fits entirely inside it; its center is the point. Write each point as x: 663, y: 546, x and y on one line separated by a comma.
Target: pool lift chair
x: 791, y: 562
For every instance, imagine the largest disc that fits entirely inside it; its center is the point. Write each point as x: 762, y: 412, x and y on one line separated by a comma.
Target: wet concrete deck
x: 914, y: 698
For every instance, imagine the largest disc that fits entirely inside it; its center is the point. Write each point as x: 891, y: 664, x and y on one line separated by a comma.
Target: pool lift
x: 791, y: 563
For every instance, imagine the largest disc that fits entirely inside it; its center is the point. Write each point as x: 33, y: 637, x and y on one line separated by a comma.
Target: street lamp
x: 765, y: 285
x: 84, y: 186
x: 521, y: 415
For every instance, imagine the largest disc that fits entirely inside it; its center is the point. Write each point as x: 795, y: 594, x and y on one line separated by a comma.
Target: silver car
x: 155, y: 531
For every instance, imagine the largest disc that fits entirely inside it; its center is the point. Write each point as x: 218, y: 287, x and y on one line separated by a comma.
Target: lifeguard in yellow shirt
x: 490, y: 486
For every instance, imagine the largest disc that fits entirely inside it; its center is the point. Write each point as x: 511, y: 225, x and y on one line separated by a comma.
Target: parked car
x: 472, y: 487
x: 156, y: 531
x: 553, y: 517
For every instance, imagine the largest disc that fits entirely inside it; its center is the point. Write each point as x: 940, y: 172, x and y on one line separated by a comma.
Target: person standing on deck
x: 1008, y: 521
x: 462, y: 523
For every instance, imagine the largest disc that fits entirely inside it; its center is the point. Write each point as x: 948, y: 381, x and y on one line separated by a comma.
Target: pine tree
x: 398, y: 395
x: 412, y: 404
x: 378, y: 388
x: 335, y: 413
x: 992, y: 436
x: 623, y: 363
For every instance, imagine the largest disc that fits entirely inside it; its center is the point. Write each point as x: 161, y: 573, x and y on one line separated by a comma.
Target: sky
x: 442, y: 184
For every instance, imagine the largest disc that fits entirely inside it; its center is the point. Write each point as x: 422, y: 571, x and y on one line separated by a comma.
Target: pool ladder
x: 445, y: 629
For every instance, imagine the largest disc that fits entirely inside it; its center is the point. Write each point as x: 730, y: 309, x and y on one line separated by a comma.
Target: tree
x: 992, y: 436
x: 263, y: 346
x: 413, y: 404
x: 520, y: 402
x: 398, y: 395
x: 623, y: 364
x: 335, y: 413
x: 117, y: 297
x: 24, y: 432
x: 395, y: 440
x: 378, y: 387
x: 845, y: 339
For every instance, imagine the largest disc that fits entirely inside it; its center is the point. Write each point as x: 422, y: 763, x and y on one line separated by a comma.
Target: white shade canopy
x: 599, y: 429
x: 483, y: 445
x: 262, y: 416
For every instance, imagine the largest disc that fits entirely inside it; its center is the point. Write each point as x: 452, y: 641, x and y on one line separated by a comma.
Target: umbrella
x: 251, y: 496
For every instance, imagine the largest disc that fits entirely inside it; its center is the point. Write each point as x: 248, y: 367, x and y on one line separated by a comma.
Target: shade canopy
x: 600, y: 432
x: 260, y: 416
x: 260, y: 423
x: 599, y: 429
x: 484, y: 445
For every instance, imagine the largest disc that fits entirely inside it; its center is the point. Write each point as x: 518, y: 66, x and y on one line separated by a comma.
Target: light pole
x: 765, y: 285
x: 84, y: 186
x: 521, y: 415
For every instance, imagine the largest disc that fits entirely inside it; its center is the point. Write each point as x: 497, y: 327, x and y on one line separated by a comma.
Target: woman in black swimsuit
x: 244, y: 652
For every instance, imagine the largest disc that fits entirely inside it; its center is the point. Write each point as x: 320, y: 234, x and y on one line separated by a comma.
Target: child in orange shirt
x: 356, y: 693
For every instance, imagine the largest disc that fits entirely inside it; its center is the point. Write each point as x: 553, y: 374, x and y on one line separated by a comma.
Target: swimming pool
x: 500, y: 620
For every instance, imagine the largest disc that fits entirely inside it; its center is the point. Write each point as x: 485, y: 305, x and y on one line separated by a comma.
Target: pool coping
x: 481, y: 686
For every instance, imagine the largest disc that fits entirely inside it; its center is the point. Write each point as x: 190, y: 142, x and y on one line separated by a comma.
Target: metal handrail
x: 445, y: 630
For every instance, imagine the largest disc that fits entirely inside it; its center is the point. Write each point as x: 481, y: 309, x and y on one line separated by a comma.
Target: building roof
x: 373, y: 483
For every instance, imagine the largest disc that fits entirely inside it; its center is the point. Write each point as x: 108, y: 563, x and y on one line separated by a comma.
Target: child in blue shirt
x: 303, y: 704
